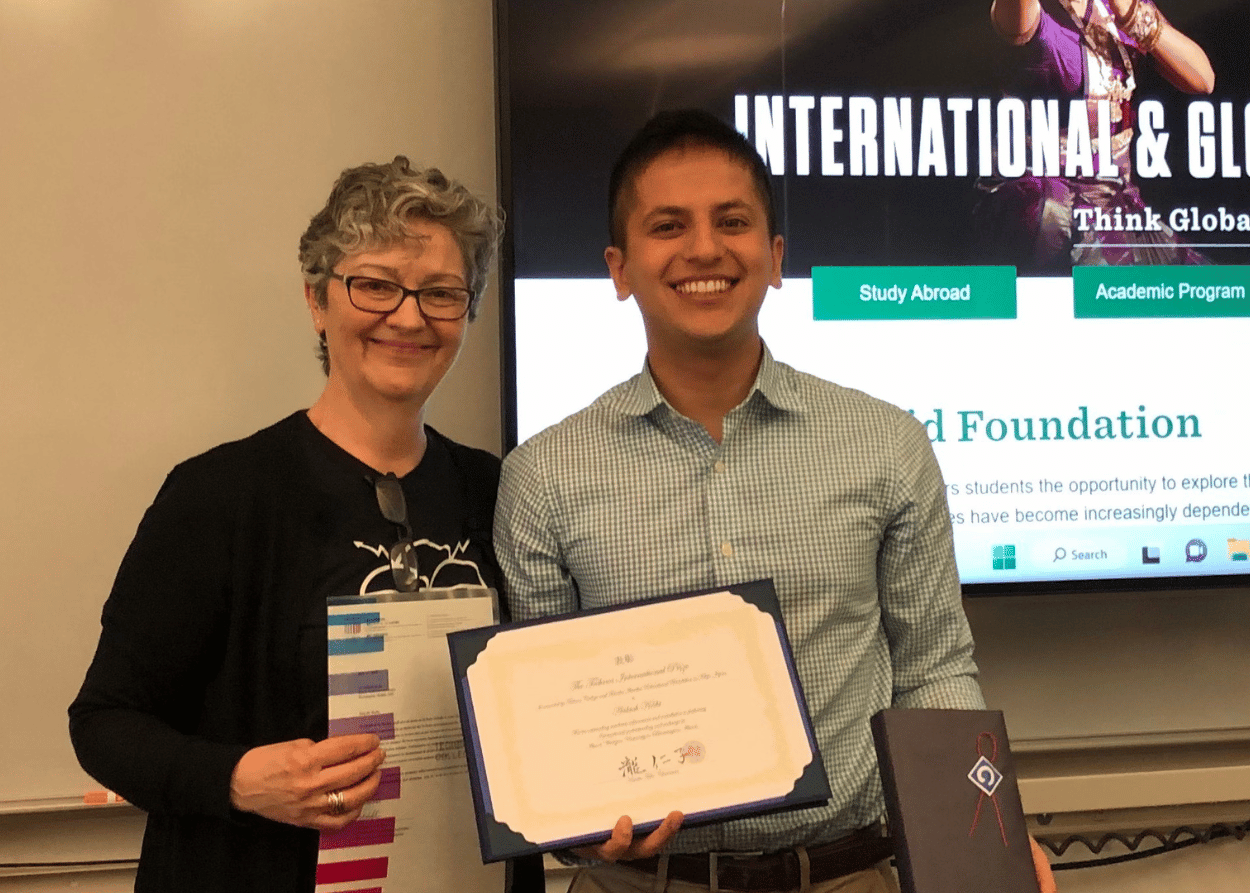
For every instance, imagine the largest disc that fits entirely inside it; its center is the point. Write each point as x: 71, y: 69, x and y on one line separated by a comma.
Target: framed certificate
x: 686, y: 702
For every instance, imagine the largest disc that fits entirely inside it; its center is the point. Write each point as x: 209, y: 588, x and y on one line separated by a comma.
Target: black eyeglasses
x: 394, y: 508
x: 445, y: 302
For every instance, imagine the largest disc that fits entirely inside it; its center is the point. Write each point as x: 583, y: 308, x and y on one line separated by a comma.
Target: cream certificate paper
x: 682, y: 704
x: 389, y: 674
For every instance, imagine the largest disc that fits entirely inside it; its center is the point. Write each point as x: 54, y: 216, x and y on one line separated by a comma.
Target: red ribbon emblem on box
x: 986, y: 777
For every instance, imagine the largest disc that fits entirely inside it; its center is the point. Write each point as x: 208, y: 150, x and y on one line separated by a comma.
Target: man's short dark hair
x: 681, y: 129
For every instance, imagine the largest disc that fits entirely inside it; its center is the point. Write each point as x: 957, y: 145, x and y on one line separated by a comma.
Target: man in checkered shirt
x: 717, y: 465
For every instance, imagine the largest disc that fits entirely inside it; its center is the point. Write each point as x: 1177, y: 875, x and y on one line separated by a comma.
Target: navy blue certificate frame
x: 498, y: 841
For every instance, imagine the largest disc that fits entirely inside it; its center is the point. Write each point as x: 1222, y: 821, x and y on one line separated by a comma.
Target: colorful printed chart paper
x: 389, y: 675
x: 688, y: 702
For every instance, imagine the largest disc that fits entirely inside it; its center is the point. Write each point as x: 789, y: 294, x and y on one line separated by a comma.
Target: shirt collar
x: 775, y: 383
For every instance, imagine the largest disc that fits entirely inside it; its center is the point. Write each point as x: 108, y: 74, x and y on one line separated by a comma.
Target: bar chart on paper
x: 389, y: 674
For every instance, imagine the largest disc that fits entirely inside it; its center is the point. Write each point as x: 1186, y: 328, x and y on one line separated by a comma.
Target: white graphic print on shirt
x: 444, y: 563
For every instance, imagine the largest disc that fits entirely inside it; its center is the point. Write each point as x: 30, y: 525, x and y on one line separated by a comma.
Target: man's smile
x: 704, y: 286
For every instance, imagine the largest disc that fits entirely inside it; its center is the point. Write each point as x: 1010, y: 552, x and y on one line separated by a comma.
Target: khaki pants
x: 617, y: 879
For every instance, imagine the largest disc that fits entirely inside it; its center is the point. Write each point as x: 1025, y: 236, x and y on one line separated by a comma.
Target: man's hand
x: 321, y: 785
x: 1041, y: 865
x: 621, y: 845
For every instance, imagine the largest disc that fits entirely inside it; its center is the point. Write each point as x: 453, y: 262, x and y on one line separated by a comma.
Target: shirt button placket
x: 719, y: 500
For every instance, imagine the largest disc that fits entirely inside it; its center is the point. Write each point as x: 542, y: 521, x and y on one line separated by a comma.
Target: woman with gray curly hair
x: 205, y: 704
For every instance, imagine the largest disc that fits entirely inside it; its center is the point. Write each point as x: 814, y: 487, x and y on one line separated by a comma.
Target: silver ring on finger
x: 335, y: 802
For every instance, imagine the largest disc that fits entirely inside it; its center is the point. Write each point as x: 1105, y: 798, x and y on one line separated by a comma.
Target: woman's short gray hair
x: 371, y: 206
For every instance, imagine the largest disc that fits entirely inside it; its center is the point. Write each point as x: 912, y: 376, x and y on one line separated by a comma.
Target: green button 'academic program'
x: 913, y: 293
x: 1160, y: 292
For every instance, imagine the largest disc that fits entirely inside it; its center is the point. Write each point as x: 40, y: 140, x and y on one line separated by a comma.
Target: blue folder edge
x: 498, y: 841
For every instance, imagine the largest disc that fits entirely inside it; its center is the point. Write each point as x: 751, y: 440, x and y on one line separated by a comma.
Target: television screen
x: 1039, y: 249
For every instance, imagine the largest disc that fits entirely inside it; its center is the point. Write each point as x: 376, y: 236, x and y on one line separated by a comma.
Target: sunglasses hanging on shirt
x: 394, y: 508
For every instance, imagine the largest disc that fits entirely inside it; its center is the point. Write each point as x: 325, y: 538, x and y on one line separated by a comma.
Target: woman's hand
x: 321, y: 785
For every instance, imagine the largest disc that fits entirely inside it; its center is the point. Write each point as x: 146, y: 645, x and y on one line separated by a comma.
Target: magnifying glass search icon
x: 1061, y: 553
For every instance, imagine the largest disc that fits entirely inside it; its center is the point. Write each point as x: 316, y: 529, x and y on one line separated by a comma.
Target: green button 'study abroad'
x: 885, y: 293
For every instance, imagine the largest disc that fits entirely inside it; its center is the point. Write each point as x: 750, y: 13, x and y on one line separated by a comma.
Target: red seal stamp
x: 691, y: 752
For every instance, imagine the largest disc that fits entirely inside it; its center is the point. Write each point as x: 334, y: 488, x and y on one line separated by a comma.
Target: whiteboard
x: 160, y: 161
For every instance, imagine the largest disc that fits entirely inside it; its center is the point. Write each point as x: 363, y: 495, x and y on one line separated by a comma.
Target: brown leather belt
x: 857, y: 851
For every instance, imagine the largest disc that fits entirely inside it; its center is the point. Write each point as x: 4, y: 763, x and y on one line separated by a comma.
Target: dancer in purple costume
x: 1072, y: 49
